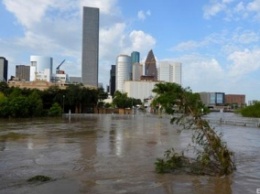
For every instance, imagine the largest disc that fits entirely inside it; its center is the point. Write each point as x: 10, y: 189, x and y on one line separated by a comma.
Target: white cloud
x: 111, y: 41
x: 142, y: 15
x: 188, y: 45
x: 201, y: 73
x: 240, y: 7
x: 233, y: 10
x: 254, y: 6
x: 246, y: 37
x: 106, y: 6
x: 213, y: 9
x: 26, y: 12
x: 244, y: 62
x: 141, y: 41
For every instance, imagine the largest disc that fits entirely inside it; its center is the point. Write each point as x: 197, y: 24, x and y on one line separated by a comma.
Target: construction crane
x: 58, y: 68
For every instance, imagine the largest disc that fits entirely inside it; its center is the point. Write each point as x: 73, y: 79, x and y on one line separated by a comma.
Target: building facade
x: 3, y: 69
x: 22, y: 72
x: 123, y: 71
x: 137, y: 71
x: 170, y: 72
x: 140, y: 89
x: 41, y: 68
x: 135, y: 57
x: 90, y: 46
x: 212, y: 99
x: 176, y: 73
x: 150, y: 66
x: 235, y: 100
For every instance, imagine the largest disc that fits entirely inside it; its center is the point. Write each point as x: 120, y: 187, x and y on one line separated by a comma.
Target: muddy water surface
x: 114, y: 154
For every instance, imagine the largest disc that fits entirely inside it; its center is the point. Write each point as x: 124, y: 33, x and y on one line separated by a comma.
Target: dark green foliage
x: 121, y: 100
x: 39, y: 178
x: 251, y: 111
x: 55, y: 110
x: 102, y: 94
x: 212, y: 155
x: 22, y: 102
x: 19, y: 105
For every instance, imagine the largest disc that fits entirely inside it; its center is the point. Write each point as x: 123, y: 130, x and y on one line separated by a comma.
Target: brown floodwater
x: 114, y: 154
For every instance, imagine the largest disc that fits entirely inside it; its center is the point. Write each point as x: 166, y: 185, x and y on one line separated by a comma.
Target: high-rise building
x: 41, y: 68
x: 123, y: 71
x: 90, y: 42
x: 137, y: 71
x: 135, y: 57
x: 22, y: 72
x: 3, y: 69
x: 170, y: 72
x: 112, y: 81
x: 150, y: 66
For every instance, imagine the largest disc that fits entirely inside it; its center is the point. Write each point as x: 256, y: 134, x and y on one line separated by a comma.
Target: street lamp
x: 63, y: 102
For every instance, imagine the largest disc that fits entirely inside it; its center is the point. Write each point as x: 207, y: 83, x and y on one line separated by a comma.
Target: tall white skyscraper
x: 123, y: 71
x: 170, y: 72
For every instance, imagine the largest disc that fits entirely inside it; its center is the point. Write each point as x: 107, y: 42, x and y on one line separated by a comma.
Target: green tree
x: 2, y: 97
x: 121, y: 100
x: 35, y: 102
x: 4, y: 87
x: 55, y: 110
x: 19, y: 107
x: 102, y: 95
x: 212, y: 154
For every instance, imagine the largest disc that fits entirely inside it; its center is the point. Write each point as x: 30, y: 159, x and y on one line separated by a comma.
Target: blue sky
x: 217, y: 41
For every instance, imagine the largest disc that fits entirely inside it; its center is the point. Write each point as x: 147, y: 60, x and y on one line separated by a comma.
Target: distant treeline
x: 22, y: 102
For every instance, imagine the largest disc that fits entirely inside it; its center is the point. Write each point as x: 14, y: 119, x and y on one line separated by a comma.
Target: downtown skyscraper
x: 3, y: 69
x: 90, y: 46
x: 150, y: 66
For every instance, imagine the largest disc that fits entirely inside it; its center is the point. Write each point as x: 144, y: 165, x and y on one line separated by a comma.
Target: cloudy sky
x: 217, y: 41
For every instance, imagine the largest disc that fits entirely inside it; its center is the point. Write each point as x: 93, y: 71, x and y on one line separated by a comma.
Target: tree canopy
x: 23, y: 102
x: 121, y: 100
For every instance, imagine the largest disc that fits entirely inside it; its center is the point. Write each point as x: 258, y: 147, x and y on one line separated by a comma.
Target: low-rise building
x: 235, y: 100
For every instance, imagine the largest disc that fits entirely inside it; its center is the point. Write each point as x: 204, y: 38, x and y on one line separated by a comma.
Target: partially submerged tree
x: 212, y: 155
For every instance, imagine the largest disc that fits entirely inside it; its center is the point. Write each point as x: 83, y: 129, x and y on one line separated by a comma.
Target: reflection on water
x: 114, y: 154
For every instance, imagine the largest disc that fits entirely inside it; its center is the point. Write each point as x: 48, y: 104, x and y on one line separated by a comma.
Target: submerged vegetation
x: 12, y: 136
x: 212, y: 156
x: 39, y: 178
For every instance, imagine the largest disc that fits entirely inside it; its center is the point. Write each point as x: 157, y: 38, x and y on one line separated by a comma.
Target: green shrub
x: 55, y: 110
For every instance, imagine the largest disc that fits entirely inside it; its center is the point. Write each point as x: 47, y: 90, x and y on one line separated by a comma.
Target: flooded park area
x: 109, y: 153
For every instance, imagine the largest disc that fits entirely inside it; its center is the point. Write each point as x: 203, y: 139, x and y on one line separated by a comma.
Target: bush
x: 251, y: 111
x: 55, y: 110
